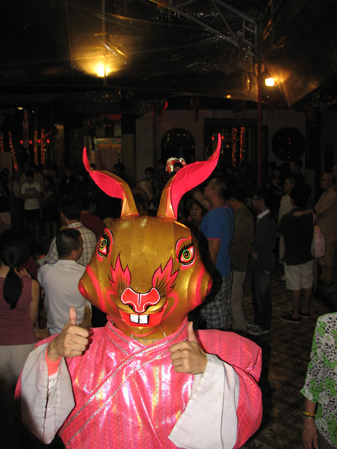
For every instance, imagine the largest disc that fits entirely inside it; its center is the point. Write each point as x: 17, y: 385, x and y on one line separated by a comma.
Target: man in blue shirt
x: 218, y: 228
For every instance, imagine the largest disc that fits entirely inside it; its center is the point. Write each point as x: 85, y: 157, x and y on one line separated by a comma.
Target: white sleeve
x: 45, y: 401
x: 210, y: 420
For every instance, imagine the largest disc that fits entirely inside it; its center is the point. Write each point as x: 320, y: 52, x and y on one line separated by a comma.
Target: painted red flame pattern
x: 163, y: 280
x: 120, y: 279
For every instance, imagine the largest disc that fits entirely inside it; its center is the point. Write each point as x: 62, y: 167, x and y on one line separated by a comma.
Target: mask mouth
x: 142, y: 319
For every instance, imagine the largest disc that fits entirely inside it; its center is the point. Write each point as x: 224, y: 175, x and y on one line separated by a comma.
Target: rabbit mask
x: 146, y: 272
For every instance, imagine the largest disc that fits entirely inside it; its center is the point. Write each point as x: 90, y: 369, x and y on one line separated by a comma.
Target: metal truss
x: 245, y: 38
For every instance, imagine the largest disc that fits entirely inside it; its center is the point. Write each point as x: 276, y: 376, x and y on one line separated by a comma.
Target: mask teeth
x: 141, y: 319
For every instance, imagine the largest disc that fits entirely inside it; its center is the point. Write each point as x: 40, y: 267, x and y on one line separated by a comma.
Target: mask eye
x: 103, y: 247
x: 186, y: 255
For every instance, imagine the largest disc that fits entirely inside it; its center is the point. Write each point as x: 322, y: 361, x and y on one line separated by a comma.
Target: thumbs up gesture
x: 71, y: 342
x: 187, y: 356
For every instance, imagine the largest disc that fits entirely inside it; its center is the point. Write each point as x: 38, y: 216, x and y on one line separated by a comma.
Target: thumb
x: 190, y: 332
x: 72, y: 316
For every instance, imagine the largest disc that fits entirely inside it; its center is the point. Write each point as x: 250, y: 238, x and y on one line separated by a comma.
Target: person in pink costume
x: 145, y: 379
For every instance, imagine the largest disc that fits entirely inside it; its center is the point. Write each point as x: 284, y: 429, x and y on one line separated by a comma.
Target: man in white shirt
x: 60, y: 283
x: 70, y: 212
x: 31, y: 192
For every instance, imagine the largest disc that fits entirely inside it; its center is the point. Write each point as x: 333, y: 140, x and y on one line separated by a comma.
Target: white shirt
x: 60, y: 283
x: 262, y: 214
x: 31, y: 203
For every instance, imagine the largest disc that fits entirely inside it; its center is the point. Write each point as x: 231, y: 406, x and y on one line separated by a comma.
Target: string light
x: 234, y: 136
x: 36, y: 153
x: 43, y: 148
x: 11, y: 146
x: 242, y: 142
x: 2, y: 147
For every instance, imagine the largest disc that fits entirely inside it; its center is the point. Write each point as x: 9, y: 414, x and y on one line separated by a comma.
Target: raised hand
x: 187, y: 356
x: 71, y: 342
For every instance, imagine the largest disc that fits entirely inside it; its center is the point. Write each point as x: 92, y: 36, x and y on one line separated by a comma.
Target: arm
x: 329, y: 200
x: 309, y: 431
x: 314, y: 384
x: 47, y: 194
x: 225, y: 399
x: 34, y: 303
x: 212, y: 254
x: 199, y: 196
x: 46, y: 401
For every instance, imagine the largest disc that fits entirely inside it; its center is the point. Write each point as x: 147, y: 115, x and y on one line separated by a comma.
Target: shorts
x: 32, y: 215
x: 217, y: 312
x: 299, y: 276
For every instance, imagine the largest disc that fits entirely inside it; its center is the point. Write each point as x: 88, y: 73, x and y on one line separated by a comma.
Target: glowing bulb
x: 228, y: 96
x: 269, y: 82
x: 100, y: 71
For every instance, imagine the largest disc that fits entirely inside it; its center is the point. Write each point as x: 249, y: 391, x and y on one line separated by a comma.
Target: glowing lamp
x: 269, y: 82
x: 103, y: 71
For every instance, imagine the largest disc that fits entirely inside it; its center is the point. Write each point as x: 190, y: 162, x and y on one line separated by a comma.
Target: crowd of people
x: 50, y: 226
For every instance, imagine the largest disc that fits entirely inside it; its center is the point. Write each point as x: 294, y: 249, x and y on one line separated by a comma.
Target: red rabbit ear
x: 113, y: 186
x: 186, y: 179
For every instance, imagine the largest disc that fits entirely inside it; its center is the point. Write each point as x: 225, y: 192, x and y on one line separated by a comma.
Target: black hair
x: 55, y: 168
x: 300, y: 195
x: 149, y: 169
x: 49, y: 179
x: 297, y: 161
x: 220, y: 186
x: 196, y: 202
x: 71, y: 207
x: 267, y: 195
x: 237, y: 192
x: 29, y: 174
x: 177, y: 164
x: 66, y: 241
x: 14, y: 251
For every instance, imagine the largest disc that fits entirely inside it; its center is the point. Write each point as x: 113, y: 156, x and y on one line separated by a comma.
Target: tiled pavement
x: 286, y: 352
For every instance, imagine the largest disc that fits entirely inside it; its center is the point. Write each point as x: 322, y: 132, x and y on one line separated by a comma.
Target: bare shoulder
x: 35, y: 284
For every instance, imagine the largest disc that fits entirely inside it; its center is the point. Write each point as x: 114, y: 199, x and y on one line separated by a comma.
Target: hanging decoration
x: 11, y: 146
x: 25, y: 129
x: 36, y: 151
x: 43, y: 147
x: 234, y: 138
x: 242, y: 143
x: 2, y: 147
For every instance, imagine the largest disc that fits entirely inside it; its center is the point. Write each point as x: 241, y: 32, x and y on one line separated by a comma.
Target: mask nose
x: 140, y: 301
